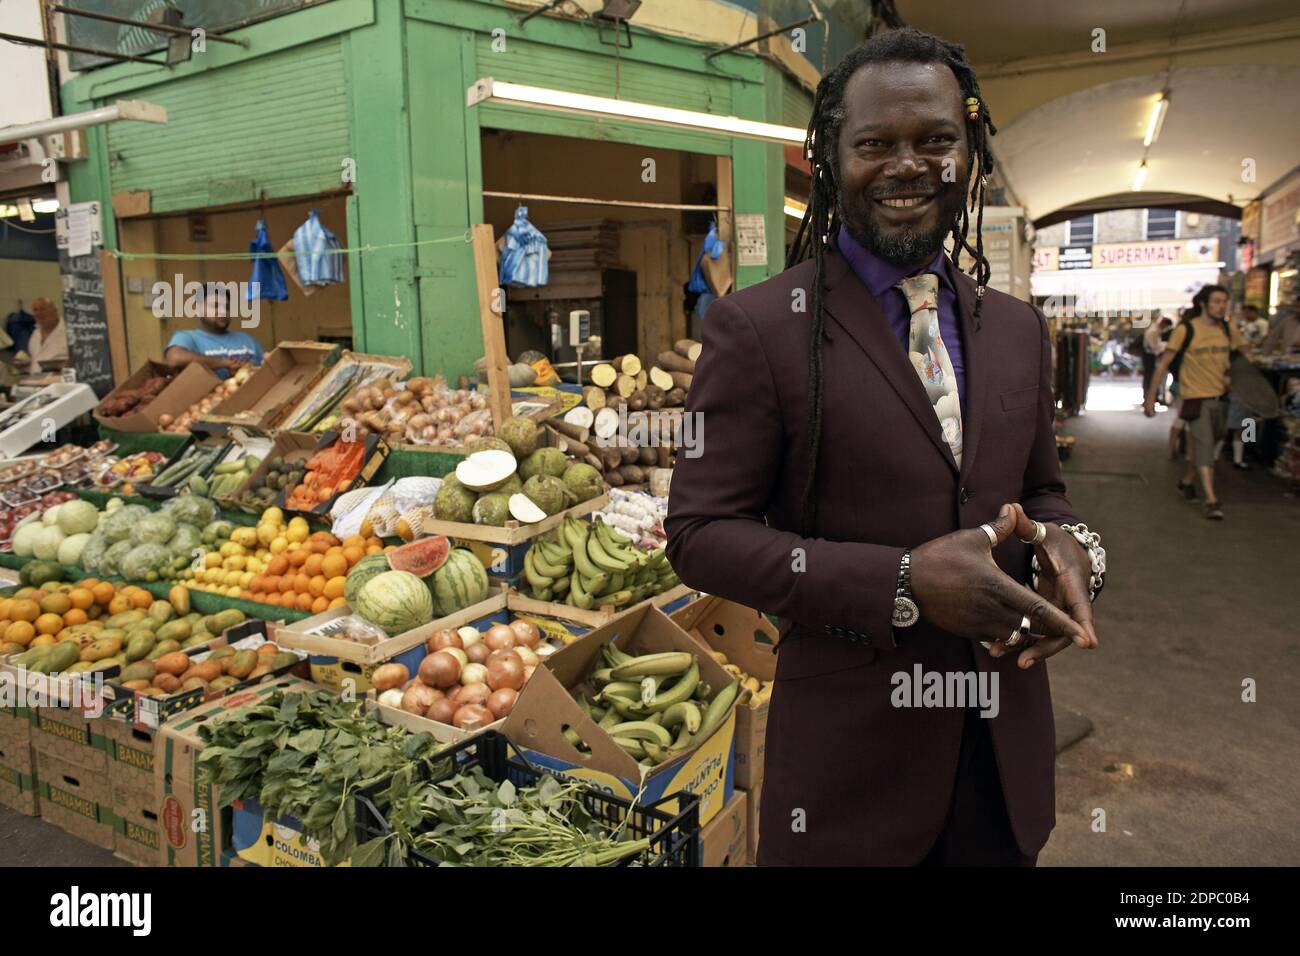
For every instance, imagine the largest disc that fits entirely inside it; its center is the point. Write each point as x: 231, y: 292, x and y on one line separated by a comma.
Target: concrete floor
x: 1186, y: 772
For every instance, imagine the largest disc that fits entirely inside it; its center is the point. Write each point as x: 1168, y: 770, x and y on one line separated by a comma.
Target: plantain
x: 602, y: 558
x: 686, y: 713
x: 649, y: 665
x: 643, y: 730
x: 718, y: 708
x: 578, y: 595
x: 680, y: 691
x: 536, y: 579
x: 543, y: 564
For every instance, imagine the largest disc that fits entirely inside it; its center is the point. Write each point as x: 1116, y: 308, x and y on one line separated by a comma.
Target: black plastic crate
x: 674, y: 836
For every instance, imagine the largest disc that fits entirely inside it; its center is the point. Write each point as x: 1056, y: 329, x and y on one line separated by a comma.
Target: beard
x: 902, y: 245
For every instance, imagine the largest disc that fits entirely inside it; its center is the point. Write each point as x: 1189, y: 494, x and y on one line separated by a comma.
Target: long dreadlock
x: 820, y: 223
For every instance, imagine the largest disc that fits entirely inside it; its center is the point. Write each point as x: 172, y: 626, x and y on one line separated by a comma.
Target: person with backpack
x: 1199, y: 354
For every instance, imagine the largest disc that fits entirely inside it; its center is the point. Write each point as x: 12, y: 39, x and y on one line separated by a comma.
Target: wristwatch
x: 906, y: 613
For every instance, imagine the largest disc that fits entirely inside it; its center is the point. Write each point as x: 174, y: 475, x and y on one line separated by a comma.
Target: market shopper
x: 1254, y: 327
x: 867, y: 411
x: 1153, y: 344
x: 1203, y: 345
x: 48, y: 345
x: 1285, y: 337
x: 213, y: 343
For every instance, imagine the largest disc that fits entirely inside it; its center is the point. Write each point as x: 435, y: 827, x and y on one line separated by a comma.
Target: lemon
x: 212, y: 560
x: 244, y: 537
x: 236, y: 562
x: 274, y: 515
x: 279, y: 545
x: 299, y: 531
x: 246, y: 579
x: 267, y: 532
x: 213, y: 575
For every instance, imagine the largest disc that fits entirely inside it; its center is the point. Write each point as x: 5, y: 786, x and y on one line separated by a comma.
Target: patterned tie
x: 930, y: 356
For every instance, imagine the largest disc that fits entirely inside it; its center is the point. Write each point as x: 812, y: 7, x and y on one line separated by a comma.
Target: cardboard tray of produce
x: 399, y: 367
x: 284, y: 445
x: 513, y: 532
x: 286, y: 373
x: 191, y: 384
x: 375, y: 451
x: 669, y: 601
x: 538, y: 409
x: 218, y: 445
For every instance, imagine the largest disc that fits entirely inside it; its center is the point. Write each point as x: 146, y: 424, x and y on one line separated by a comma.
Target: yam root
x: 661, y: 378
x: 625, y: 384
x: 632, y: 474
x: 610, y: 458
x: 682, y: 380
x: 688, y: 348
x: 672, y: 362
x: 675, y: 397
x: 654, y: 396
x: 647, y: 456
x: 606, y: 422
x: 613, y: 479
x: 568, y: 444
x: 571, y: 431
x: 627, y: 364
x: 594, y: 462
x: 629, y: 454
x: 642, y: 379
x: 637, y: 400
x: 594, y: 397
x: 603, y: 374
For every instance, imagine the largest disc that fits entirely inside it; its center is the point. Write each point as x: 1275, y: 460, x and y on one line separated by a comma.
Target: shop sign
x: 1171, y: 252
x: 1075, y: 257
x: 751, y: 239
x: 1278, y: 217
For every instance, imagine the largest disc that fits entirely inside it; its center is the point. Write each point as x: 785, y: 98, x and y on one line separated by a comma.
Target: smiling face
x: 903, y: 159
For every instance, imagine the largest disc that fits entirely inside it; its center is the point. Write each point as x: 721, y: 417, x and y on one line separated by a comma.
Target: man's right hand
x: 958, y: 588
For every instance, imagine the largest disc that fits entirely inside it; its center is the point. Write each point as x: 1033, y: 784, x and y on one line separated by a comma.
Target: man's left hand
x: 1064, y: 571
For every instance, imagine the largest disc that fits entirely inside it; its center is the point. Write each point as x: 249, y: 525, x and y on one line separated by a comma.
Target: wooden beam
x: 726, y: 222
x: 111, y: 276
x: 492, y: 321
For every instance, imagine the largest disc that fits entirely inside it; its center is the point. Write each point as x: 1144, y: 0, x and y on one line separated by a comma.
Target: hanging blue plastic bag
x: 713, y: 248
x: 523, y: 260
x: 268, y: 278
x: 316, y: 252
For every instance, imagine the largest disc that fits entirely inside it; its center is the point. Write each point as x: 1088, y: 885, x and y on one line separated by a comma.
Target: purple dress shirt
x: 880, y: 277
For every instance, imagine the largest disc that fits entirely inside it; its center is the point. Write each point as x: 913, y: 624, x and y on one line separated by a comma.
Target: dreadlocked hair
x: 820, y: 223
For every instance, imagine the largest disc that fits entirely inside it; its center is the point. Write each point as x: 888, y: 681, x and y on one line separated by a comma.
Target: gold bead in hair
x: 972, y: 107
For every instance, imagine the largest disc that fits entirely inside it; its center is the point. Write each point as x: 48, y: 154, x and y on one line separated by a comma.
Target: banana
x: 650, y: 665
x: 718, y: 707
x: 611, y: 535
x: 684, y: 739
x: 556, y: 552
x: 601, y: 675
x: 643, y: 730
x: 657, y: 557
x: 733, y: 670
x: 544, y: 594
x: 680, y: 692
x: 702, y: 690
x: 720, y: 657
x: 611, y: 717
x: 542, y: 565
x: 627, y: 689
x: 577, y: 594
x: 656, y: 754
x: 577, y: 534
x: 687, y: 713
x: 614, y: 585
x: 602, y: 558
x: 751, y: 684
x: 561, y: 585
x: 616, y: 599
x: 627, y: 708
x: 633, y: 747
x: 614, y: 547
x: 594, y: 585
x: 536, y: 579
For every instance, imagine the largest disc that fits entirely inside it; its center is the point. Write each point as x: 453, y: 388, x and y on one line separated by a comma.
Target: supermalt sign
x: 1172, y: 252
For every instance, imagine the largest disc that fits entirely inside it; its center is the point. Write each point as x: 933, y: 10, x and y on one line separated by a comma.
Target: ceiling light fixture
x: 488, y: 90
x: 1157, y: 119
x: 1141, y: 178
x: 45, y: 205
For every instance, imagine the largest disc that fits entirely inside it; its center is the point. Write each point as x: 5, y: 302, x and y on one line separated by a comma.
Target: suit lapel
x: 853, y: 309
x: 976, y: 367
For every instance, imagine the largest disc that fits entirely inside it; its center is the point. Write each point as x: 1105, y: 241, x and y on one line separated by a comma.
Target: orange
x: 334, y: 587
x: 6, y: 606
x: 141, y: 599
x: 75, y: 616
x: 318, y: 547
x: 25, y: 610
x: 103, y: 592
x: 20, y: 632
x: 38, y: 596
x: 354, y: 553
x: 333, y: 565
x: 82, y: 598
x: 298, y: 558
x: 247, y: 596
x: 320, y: 604
x: 373, y: 549
x: 49, y: 624
x: 325, y: 536
x: 301, y: 583
x: 304, y: 602
x: 279, y: 564
x: 271, y: 584
x: 311, y: 567
x: 56, y: 604
x: 288, y: 600
x: 339, y: 601
x: 354, y: 541
x: 87, y: 583
x: 41, y: 640
x: 119, y: 604
x: 374, y: 539
x: 316, y: 586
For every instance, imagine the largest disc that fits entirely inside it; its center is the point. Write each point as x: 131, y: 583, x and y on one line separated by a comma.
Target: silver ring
x: 1024, y: 626
x: 1014, y: 639
x: 993, y: 535
x: 1040, y: 534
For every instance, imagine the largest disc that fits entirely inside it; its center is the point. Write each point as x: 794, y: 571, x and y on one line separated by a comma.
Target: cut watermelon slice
x: 421, y: 557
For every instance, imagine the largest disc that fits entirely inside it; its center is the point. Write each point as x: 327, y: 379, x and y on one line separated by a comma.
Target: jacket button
x: 965, y: 495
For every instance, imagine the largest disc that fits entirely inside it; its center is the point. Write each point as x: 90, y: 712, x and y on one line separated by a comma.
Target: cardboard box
x: 748, y: 639
x: 18, y: 782
x: 15, y: 721
x: 578, y: 622
x: 285, y: 445
x: 286, y: 373
x: 546, y: 708
x: 724, y: 840
x: 195, y: 830
x: 131, y: 752
x: 389, y: 369
x: 76, y: 799
x: 751, y: 821
x: 211, y: 442
x: 69, y: 736
x: 373, y: 455
x: 343, y: 665
x: 193, y: 383
x: 137, y: 829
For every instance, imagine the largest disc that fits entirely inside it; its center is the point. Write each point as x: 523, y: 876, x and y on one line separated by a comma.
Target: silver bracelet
x: 1091, y: 541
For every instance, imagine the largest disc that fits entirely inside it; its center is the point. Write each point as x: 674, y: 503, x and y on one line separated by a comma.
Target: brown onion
x: 500, y: 637
x: 457, y: 653
x: 440, y: 670
x: 502, y: 702
x: 389, y: 676
x: 526, y: 631
x: 478, y: 653
x: 528, y: 674
x: 442, y: 711
x: 473, y: 694
x: 418, y: 698
x: 505, y: 670
x: 472, y: 717
x: 545, y: 650
x: 527, y: 655
x: 473, y: 674
x: 444, y: 638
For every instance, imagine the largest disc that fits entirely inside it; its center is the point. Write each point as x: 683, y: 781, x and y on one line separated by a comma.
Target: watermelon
x: 365, y: 569
x: 461, y: 581
x: 396, y: 601
x: 421, y: 557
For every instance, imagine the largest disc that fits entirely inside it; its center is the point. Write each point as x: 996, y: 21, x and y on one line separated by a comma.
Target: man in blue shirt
x: 212, y: 343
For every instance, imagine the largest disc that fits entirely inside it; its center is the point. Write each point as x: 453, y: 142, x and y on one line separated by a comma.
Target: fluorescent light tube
x: 1140, y: 179
x: 1157, y: 120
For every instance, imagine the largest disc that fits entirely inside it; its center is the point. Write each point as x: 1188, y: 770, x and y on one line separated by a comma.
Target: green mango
x: 61, y: 657
x: 140, y: 645
x: 175, y: 631
x: 161, y: 648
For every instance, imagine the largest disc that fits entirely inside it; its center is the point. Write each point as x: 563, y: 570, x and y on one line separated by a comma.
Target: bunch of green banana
x: 654, y: 706
x: 592, y: 565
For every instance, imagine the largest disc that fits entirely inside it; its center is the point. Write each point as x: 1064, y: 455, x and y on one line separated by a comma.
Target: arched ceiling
x: 1223, y: 123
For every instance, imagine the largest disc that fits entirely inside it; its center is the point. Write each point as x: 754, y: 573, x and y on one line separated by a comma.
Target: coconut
x: 547, y: 492
x: 493, y: 508
x: 453, y: 503
x: 523, y: 509
x: 583, y: 481
x: 521, y: 434
x: 486, y: 443
x: 544, y: 461
x: 486, y: 470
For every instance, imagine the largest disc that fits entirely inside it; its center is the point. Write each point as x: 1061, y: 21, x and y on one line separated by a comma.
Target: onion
x: 473, y: 694
x: 444, y: 638
x: 500, y: 637
x: 442, y: 711
x: 453, y: 695
x: 418, y: 698
x: 469, y: 636
x: 457, y: 653
x: 439, y: 670
x: 392, y: 698
x: 472, y: 717
x: 389, y: 676
x: 505, y: 670
x: 477, y: 653
x: 528, y: 674
x: 473, y: 674
x: 526, y: 632
x: 502, y: 702
x: 529, y: 658
x: 545, y: 650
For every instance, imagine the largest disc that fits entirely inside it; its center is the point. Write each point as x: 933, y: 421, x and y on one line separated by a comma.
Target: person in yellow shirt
x: 1205, y: 342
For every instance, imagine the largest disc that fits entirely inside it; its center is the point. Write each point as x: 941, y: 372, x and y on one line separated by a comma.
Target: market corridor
x: 1186, y: 773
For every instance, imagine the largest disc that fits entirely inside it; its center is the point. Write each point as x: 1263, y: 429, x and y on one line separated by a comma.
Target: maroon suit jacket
x: 849, y: 778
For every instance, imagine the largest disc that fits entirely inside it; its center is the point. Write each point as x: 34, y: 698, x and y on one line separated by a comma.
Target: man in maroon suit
x: 878, y: 469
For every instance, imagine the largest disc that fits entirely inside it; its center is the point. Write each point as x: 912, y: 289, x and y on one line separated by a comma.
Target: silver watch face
x: 906, y: 612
